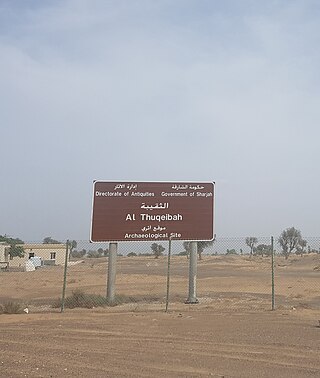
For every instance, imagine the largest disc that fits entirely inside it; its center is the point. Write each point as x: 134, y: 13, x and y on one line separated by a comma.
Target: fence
x: 229, y: 277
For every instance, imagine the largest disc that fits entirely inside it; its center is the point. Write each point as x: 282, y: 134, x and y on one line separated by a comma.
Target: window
x: 53, y: 255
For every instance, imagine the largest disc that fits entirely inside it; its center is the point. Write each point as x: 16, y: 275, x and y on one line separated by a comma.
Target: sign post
x: 111, y: 282
x: 152, y: 211
x: 192, y: 298
x: 272, y: 275
x: 65, y: 277
x: 168, y: 276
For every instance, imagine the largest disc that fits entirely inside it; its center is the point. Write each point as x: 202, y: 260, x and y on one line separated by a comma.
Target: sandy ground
x: 230, y: 333
x: 193, y: 342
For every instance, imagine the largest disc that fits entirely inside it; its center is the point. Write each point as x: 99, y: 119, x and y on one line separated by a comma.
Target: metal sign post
x: 192, y: 298
x: 65, y: 277
x: 272, y: 275
x: 111, y: 281
x: 168, y: 276
x: 152, y: 211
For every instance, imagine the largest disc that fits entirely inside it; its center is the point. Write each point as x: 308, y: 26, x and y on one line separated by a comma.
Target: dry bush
x: 11, y: 307
x: 83, y: 300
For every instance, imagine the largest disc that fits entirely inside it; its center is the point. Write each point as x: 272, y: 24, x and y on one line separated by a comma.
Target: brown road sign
x: 137, y: 211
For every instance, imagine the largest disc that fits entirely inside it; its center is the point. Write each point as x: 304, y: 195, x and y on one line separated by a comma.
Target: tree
x: 49, y: 240
x: 157, y: 250
x: 289, y: 240
x: 201, y: 246
x: 71, y: 245
x: 251, y: 241
x: 186, y: 246
x: 78, y: 254
x: 15, y: 250
x: 9, y: 240
x: 93, y: 254
x: 101, y: 252
x: 231, y: 252
x: 313, y: 250
x: 263, y: 250
x: 300, y: 250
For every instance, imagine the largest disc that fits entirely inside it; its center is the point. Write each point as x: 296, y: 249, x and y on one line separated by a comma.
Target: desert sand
x: 231, y: 332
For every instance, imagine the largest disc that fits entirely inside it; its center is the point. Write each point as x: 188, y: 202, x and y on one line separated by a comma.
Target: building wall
x: 52, y: 252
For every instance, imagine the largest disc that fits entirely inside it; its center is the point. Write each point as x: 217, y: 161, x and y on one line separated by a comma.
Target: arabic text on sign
x: 158, y: 206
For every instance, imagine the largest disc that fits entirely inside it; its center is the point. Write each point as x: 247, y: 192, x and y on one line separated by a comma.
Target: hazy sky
x: 159, y: 90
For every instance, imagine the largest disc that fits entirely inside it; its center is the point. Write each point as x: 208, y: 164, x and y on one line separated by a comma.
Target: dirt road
x: 147, y: 342
x: 230, y: 333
